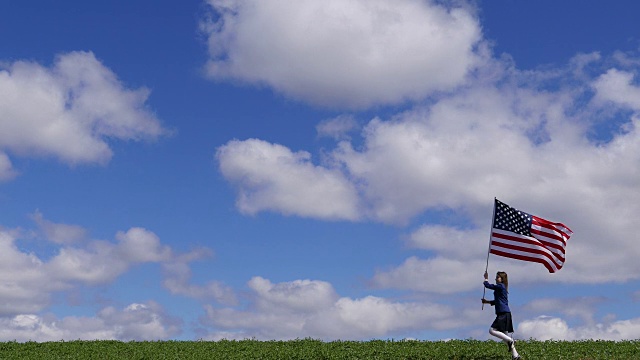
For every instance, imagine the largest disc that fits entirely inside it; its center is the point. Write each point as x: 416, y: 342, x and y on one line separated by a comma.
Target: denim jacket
x: 500, y: 297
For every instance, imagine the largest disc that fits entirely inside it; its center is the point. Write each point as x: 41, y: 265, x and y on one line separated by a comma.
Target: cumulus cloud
x: 312, y: 308
x: 69, y: 111
x: 7, y: 172
x: 136, y: 322
x: 438, y: 275
x: 297, y: 296
x: 338, y: 127
x: 526, y: 138
x: 526, y: 145
x: 449, y: 155
x: 178, y: 275
x: 336, y: 53
x: 458, y: 152
x: 554, y: 328
x: 582, y: 308
x: 453, y: 253
x: 59, y: 233
x: 24, y: 285
x: 272, y: 177
x: 138, y: 245
x: 617, y: 86
x: 372, y: 316
x: 102, y: 261
x: 449, y: 241
x: 28, y: 280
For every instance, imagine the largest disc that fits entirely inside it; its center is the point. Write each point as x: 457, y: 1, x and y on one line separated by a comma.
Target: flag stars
x: 510, y: 219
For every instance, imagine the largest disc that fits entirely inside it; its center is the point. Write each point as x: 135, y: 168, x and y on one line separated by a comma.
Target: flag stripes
x: 518, y: 235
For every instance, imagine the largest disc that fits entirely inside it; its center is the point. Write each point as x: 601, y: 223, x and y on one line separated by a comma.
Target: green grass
x: 318, y: 350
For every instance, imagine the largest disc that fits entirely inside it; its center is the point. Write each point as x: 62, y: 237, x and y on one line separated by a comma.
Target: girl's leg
x: 504, y: 337
x: 499, y: 334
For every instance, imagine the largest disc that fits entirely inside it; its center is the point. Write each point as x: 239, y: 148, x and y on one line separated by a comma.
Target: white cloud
x: 582, y: 308
x: 139, y: 245
x: 544, y: 328
x: 437, y: 275
x: 139, y: 322
x: 272, y: 177
x: 297, y: 296
x: 59, y: 233
x: 457, y: 153
x: 525, y: 146
x: 136, y: 322
x: 69, y: 111
x: 178, y: 275
x: 7, y: 172
x: 103, y: 261
x: 454, y: 262
x: 445, y: 275
x: 27, y: 281
x: 353, y: 54
x: 617, y: 86
x: 525, y: 138
x: 338, y: 127
x: 459, y: 244
x: 553, y: 328
x: 311, y: 308
x: 372, y: 316
x: 24, y: 286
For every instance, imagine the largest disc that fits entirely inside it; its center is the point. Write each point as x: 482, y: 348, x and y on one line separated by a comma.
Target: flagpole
x: 493, y: 218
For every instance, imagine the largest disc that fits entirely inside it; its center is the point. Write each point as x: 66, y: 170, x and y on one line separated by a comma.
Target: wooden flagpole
x: 493, y: 218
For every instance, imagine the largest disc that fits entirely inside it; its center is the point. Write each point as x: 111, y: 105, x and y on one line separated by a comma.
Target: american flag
x: 518, y: 235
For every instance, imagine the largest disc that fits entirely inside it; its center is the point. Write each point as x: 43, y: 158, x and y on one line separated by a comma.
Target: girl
x: 502, y: 324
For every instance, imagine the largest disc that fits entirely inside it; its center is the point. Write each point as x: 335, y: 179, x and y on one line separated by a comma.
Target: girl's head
x: 502, y: 277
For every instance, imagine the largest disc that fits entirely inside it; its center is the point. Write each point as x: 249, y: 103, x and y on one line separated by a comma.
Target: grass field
x: 316, y: 349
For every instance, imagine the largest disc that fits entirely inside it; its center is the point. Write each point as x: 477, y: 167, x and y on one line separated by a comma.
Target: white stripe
x: 551, y: 233
x: 559, y: 230
x: 531, y: 255
x: 516, y: 242
x: 541, y: 247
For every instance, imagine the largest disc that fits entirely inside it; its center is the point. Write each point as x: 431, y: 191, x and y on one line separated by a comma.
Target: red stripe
x: 554, y: 226
x: 556, y: 259
x: 551, y: 223
x: 547, y: 243
x: 548, y: 236
x: 540, y: 250
x: 534, y: 242
x: 524, y: 258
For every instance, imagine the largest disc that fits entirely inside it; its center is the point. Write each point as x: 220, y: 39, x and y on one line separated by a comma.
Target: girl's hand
x: 485, y: 301
x: 486, y: 276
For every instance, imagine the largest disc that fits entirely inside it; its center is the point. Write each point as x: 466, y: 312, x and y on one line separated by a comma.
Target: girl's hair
x: 505, y: 279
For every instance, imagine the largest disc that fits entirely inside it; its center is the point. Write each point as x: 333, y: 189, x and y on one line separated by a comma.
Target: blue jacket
x: 500, y: 297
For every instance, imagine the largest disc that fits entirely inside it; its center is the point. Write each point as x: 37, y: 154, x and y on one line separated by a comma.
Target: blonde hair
x: 505, y: 279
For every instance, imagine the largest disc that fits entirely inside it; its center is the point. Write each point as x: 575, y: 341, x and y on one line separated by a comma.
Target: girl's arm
x: 490, y: 302
x: 486, y: 282
x: 490, y: 286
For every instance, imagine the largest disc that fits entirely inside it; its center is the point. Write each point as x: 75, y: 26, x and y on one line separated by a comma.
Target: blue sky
x: 277, y: 170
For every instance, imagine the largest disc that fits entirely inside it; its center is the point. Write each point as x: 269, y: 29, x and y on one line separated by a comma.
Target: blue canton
x: 510, y: 219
